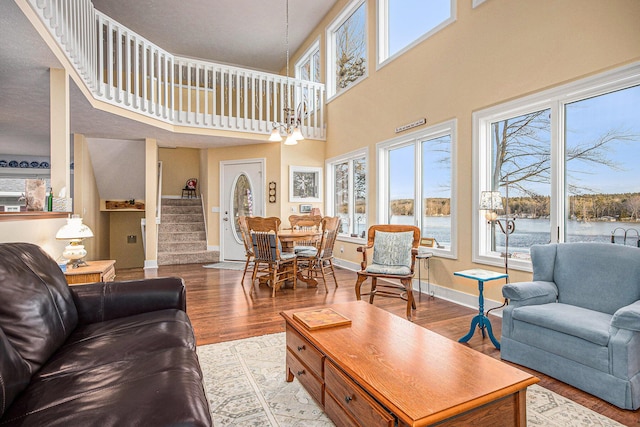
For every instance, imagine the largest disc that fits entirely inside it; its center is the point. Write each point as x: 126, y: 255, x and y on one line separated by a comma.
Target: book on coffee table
x: 321, y: 318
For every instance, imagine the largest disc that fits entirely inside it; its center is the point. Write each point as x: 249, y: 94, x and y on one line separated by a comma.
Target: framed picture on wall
x: 305, y: 184
x: 305, y: 208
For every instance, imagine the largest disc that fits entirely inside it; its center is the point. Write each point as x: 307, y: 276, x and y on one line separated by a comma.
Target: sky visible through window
x: 410, y: 19
x: 586, y: 121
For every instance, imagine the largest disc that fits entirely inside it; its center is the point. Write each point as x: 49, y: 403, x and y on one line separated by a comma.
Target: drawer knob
x: 301, y: 347
x: 301, y: 372
x: 348, y: 399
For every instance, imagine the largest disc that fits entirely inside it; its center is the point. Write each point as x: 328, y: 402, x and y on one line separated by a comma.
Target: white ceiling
x: 248, y: 33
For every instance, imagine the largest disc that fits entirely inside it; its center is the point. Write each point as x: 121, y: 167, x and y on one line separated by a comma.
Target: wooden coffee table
x: 382, y: 368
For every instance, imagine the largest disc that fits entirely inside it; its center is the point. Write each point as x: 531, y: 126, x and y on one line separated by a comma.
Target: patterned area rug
x: 245, y: 384
x: 226, y: 265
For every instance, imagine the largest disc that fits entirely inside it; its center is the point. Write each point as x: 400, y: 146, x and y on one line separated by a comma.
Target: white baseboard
x: 213, y: 248
x: 437, y: 291
x: 152, y: 263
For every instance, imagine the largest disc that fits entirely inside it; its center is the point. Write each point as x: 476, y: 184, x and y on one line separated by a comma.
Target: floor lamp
x: 491, y: 201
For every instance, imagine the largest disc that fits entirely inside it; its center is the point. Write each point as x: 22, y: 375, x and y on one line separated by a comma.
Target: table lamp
x: 74, y: 231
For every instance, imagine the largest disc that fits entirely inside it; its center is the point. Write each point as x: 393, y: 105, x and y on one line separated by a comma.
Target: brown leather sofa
x: 107, y: 354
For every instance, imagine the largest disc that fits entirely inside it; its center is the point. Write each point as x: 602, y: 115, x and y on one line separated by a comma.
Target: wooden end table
x: 94, y: 271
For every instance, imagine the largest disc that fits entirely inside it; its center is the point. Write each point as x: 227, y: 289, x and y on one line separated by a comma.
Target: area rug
x: 245, y: 384
x: 226, y: 265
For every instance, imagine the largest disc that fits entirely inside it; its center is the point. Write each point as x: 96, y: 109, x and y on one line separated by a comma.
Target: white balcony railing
x: 124, y: 69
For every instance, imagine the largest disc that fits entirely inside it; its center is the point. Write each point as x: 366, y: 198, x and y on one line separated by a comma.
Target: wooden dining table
x: 288, y: 239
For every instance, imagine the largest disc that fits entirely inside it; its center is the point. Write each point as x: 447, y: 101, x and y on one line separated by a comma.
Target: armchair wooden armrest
x: 364, y: 249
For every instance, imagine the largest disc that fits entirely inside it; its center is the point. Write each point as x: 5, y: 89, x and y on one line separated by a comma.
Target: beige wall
x: 178, y: 165
x: 497, y: 52
x: 121, y: 225
x: 86, y: 201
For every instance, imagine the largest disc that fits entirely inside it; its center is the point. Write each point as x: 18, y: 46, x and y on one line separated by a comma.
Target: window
x: 567, y: 158
x: 405, y: 23
x: 347, y: 48
x: 416, y: 184
x: 308, y: 68
x: 347, y: 179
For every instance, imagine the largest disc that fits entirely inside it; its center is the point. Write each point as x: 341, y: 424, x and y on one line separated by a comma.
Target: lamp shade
x: 275, y: 136
x: 491, y: 200
x: 290, y: 140
x: 74, y: 229
x: 297, y: 135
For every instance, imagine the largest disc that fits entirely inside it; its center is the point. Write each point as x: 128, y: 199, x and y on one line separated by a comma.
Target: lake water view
x: 534, y: 231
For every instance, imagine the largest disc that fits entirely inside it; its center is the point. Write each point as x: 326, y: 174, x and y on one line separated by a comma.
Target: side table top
x: 91, y: 267
x: 480, y: 274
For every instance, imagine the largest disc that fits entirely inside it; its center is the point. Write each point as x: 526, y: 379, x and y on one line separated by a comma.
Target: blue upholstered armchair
x: 578, y: 320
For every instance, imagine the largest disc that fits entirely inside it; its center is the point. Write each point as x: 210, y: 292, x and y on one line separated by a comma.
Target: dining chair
x: 394, y: 250
x: 314, y: 262
x: 276, y: 266
x: 248, y: 245
x: 309, y: 223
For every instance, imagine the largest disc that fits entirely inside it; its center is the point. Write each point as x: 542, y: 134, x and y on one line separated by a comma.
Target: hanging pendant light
x: 291, y: 127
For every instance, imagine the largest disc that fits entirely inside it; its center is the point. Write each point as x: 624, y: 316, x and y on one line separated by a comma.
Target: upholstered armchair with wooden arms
x: 394, y: 250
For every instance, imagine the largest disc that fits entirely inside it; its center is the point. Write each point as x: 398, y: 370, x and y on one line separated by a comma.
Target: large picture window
x: 566, y: 158
x: 404, y: 23
x: 416, y: 184
x: 347, y: 199
x: 347, y: 48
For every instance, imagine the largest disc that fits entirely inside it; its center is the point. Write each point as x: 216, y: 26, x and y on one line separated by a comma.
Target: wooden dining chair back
x: 307, y: 223
x: 269, y: 261
x: 316, y: 262
x: 248, y: 244
x: 394, y: 250
x: 259, y: 223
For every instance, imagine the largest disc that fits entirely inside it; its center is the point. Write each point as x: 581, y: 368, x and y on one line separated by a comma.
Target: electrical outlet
x: 341, y: 249
x: 132, y: 238
x: 293, y: 208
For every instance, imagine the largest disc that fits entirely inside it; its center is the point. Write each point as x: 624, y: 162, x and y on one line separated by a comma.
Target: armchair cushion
x: 589, y: 325
x: 392, y: 248
x: 394, y: 270
x: 627, y: 317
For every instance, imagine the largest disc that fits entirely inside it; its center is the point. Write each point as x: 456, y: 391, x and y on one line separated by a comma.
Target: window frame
x: 555, y: 100
x: 330, y: 184
x: 416, y: 139
x: 382, y: 49
x: 308, y: 56
x: 341, y: 18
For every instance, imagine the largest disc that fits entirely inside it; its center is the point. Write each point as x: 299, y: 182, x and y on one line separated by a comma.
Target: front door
x: 242, y: 193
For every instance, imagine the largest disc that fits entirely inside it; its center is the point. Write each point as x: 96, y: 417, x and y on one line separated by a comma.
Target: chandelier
x: 291, y: 126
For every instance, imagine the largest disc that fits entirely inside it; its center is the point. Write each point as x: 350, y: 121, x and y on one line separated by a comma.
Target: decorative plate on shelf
x: 34, y: 164
x: 24, y: 164
x: 3, y: 163
x: 13, y: 164
x: 44, y: 165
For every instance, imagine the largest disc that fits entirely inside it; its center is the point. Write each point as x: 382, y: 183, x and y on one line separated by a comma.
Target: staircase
x: 181, y: 234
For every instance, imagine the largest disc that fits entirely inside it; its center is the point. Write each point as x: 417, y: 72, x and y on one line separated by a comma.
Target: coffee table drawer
x: 336, y: 414
x: 312, y: 384
x: 306, y: 352
x: 354, y: 400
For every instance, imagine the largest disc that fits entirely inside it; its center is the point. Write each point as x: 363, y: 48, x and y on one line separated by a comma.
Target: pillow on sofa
x: 37, y: 313
x: 14, y: 373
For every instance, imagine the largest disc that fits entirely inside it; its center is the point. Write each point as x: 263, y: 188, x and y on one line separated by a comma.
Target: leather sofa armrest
x: 98, y: 302
x: 627, y: 317
x: 530, y: 293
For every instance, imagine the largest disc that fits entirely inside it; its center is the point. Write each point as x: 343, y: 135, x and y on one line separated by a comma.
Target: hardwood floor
x: 221, y: 309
